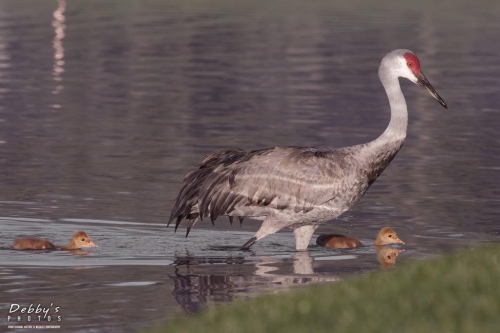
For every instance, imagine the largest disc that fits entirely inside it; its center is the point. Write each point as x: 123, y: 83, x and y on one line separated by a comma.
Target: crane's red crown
x: 412, y: 62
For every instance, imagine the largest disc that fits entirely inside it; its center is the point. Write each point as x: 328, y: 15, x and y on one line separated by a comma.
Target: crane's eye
x: 409, y: 63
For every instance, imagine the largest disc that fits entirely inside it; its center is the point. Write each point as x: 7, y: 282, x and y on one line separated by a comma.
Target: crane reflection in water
x: 204, y: 281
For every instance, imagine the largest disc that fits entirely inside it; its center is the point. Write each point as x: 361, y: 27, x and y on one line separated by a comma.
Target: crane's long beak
x: 423, y: 82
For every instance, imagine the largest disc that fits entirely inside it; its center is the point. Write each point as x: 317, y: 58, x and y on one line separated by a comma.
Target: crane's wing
x: 282, y: 178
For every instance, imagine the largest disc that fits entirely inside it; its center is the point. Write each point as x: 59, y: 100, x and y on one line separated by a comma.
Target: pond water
x: 106, y: 105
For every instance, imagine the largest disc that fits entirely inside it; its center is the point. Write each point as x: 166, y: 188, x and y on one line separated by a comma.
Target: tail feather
x: 188, y: 193
x: 179, y: 218
x: 191, y: 225
x: 207, y: 199
x: 193, y: 201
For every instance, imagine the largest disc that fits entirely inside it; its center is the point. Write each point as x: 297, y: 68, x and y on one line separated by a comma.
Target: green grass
x: 456, y: 293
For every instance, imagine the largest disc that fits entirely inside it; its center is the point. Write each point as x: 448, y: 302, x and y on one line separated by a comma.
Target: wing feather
x: 287, y: 178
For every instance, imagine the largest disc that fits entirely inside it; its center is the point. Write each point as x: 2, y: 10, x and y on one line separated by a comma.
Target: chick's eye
x: 83, y: 239
x: 409, y: 63
x: 389, y: 235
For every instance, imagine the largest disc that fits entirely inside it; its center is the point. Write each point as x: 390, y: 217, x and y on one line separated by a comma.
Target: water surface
x: 105, y: 106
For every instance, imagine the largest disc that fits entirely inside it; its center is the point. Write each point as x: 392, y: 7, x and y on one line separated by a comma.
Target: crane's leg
x: 249, y: 243
x: 303, y: 236
x: 268, y: 227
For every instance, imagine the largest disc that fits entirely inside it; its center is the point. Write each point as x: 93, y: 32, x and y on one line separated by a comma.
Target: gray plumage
x: 296, y: 187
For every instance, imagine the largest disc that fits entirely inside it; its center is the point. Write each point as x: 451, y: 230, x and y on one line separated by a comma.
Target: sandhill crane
x: 299, y: 187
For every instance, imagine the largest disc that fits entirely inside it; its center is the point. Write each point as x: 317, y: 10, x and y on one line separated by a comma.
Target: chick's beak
x: 423, y: 82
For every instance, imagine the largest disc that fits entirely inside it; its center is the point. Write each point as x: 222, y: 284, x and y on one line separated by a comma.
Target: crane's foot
x: 250, y: 242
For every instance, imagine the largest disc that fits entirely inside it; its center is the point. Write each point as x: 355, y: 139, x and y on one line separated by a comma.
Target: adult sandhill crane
x: 299, y: 187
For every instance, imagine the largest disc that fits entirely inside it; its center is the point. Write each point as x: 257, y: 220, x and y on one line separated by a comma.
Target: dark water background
x: 105, y: 105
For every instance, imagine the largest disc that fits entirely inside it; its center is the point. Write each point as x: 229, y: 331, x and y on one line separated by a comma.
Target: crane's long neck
x: 380, y: 152
x: 396, y: 131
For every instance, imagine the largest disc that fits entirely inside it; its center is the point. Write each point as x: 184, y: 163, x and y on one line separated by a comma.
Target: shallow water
x: 105, y: 106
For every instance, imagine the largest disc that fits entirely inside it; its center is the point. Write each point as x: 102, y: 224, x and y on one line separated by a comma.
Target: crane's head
x: 404, y: 63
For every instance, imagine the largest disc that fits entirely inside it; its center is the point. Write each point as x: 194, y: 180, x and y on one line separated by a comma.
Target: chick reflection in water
x: 386, y: 255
